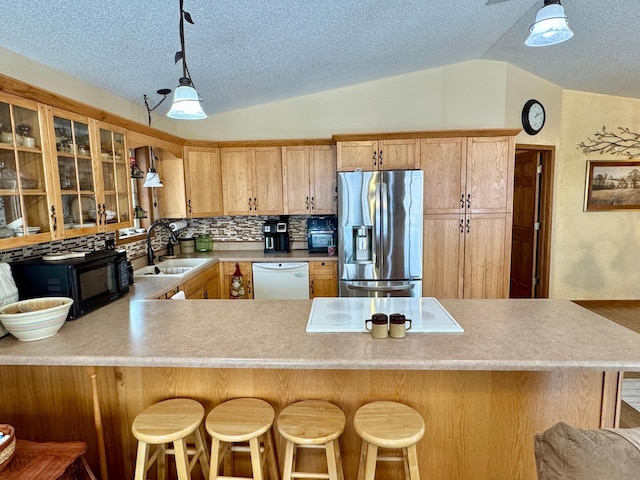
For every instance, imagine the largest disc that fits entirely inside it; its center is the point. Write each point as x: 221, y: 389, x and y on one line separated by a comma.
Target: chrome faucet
x: 172, y: 240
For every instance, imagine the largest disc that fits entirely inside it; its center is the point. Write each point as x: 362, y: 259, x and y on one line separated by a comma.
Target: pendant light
x: 153, y: 177
x: 186, y: 101
x: 550, y: 26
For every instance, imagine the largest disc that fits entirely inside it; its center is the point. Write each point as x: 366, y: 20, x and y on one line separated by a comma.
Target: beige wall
x: 595, y: 255
x: 465, y: 95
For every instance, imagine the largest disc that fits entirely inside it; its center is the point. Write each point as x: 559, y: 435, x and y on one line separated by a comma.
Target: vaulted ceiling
x: 247, y: 52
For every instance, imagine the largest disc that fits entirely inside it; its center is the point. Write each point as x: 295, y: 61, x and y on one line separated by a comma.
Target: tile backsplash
x: 228, y: 230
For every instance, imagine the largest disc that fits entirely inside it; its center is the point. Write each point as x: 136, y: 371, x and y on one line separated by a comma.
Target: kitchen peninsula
x: 519, y: 367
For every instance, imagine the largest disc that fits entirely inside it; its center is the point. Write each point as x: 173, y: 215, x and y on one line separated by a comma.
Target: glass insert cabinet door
x: 116, y: 207
x: 76, y: 173
x: 26, y: 214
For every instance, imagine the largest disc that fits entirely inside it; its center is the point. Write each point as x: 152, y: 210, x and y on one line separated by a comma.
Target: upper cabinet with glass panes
x: 92, y: 174
x: 116, y: 208
x: 71, y: 149
x: 26, y: 214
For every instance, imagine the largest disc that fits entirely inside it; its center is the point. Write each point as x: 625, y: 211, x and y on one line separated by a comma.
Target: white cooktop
x: 349, y: 314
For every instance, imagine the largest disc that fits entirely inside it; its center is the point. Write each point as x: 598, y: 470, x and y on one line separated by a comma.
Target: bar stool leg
x: 182, y: 460
x: 288, y: 461
x: 370, y: 465
x: 202, y: 451
x: 215, y: 458
x: 334, y: 465
x: 161, y: 466
x: 412, y: 454
x: 274, y: 470
x: 339, y: 460
x: 142, y: 458
x: 256, y: 463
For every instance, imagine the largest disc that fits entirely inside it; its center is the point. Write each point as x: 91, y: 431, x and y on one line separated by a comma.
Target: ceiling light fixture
x: 186, y: 101
x: 550, y: 26
x: 164, y: 92
x: 153, y: 177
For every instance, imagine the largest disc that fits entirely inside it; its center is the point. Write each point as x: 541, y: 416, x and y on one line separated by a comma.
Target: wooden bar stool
x: 236, y: 422
x: 170, y: 421
x: 388, y: 425
x: 312, y: 424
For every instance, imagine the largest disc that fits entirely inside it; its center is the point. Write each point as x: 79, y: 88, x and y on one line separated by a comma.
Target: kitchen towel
x: 179, y: 225
x: 8, y: 290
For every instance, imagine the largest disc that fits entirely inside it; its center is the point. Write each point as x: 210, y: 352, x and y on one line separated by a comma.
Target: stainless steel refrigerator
x: 380, y: 233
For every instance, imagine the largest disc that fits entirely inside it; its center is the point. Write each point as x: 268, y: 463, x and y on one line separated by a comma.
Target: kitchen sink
x: 175, y: 267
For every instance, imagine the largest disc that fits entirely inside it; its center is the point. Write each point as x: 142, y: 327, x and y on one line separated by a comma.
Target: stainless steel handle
x: 377, y: 231
x: 384, y: 211
x: 388, y: 288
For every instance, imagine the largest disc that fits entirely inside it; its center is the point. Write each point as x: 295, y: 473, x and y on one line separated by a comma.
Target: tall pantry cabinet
x: 468, y: 200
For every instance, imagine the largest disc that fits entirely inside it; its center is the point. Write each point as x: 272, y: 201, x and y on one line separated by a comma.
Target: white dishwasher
x: 281, y: 280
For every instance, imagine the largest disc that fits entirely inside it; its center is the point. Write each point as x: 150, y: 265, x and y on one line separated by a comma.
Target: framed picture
x: 612, y: 185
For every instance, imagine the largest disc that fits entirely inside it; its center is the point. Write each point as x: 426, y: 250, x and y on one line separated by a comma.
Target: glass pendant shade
x: 186, y: 103
x: 550, y: 26
x: 153, y: 179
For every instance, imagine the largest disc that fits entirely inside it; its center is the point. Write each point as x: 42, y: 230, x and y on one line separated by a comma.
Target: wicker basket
x: 8, y: 448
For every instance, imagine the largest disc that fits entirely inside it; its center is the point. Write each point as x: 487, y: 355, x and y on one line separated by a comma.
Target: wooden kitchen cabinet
x: 115, y: 186
x: 323, y: 279
x: 205, y: 285
x: 466, y: 257
x: 28, y: 214
x: 391, y: 154
x: 227, y: 270
x: 468, y: 190
x: 252, y: 180
x: 309, y: 179
x: 203, y: 172
x: 172, y: 202
x: 468, y: 175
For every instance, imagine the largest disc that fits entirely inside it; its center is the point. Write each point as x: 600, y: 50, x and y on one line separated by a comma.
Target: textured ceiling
x: 247, y: 52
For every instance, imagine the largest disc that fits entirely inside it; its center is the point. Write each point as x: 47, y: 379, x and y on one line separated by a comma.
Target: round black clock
x: 533, y: 117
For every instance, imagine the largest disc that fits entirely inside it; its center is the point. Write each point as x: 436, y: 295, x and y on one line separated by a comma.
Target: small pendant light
x: 186, y: 101
x: 550, y: 26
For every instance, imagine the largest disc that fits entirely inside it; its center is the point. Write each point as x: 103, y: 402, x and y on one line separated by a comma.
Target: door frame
x: 545, y: 214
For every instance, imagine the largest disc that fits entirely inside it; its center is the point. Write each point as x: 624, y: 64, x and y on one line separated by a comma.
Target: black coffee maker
x: 276, y: 236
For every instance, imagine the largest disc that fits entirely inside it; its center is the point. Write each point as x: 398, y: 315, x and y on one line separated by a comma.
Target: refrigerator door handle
x: 378, y: 228
x: 384, y: 213
x: 387, y: 288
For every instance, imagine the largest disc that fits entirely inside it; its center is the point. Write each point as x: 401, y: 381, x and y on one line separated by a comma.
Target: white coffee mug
x: 29, y: 142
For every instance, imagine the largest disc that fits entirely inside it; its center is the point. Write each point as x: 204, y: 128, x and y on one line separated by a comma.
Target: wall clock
x: 533, y: 117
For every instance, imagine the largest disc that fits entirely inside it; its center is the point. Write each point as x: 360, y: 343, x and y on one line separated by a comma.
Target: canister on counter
x: 187, y: 245
x: 204, y: 243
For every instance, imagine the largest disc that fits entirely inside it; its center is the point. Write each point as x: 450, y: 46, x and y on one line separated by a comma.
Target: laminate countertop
x: 520, y: 335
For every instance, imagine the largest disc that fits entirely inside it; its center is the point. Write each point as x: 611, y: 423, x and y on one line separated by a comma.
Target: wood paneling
x: 479, y: 425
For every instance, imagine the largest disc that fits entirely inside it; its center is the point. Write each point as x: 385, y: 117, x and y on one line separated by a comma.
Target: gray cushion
x: 567, y: 453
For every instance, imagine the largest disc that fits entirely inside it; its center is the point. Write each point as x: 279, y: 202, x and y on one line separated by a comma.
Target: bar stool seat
x: 388, y: 425
x: 312, y: 424
x: 171, y: 421
x: 238, y: 421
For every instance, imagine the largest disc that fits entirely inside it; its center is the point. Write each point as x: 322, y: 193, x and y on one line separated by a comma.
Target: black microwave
x: 91, y: 281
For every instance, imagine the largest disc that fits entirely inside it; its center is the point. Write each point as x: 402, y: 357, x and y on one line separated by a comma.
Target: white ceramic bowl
x: 35, y: 319
x: 111, y: 214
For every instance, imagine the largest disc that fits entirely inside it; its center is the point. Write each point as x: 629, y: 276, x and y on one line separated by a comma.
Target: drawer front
x: 323, y: 268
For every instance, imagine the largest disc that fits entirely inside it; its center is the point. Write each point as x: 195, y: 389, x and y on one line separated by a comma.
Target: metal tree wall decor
x: 626, y: 143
